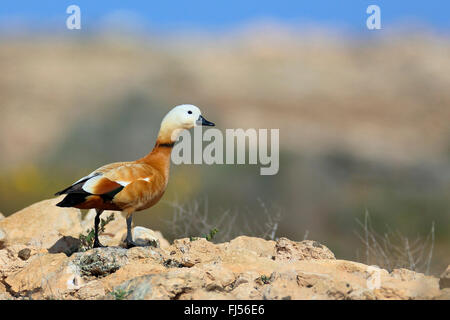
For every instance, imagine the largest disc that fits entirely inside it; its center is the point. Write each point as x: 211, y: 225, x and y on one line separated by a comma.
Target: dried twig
x: 394, y: 250
x: 193, y: 219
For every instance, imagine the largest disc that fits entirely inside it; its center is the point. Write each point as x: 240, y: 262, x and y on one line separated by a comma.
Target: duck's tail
x: 72, y: 199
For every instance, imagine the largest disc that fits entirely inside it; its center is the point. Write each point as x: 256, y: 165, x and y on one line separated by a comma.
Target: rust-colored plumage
x: 135, y: 185
x: 139, y: 183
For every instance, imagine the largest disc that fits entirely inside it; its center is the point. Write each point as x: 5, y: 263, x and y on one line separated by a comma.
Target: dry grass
x: 193, y: 219
x: 392, y: 250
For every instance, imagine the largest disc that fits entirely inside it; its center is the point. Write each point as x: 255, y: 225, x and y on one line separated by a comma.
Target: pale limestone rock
x: 45, y: 272
x: 258, y: 246
x: 170, y: 285
x: 244, y: 268
x: 6, y: 296
x: 286, y: 249
x: 131, y: 271
x: 147, y: 237
x: 189, y: 253
x: 202, y: 294
x: 444, y: 281
x: 3, y: 238
x: 10, y: 262
x: 444, y: 295
x: 244, y: 286
x: 404, y: 274
x: 91, y: 291
x: 42, y: 224
x: 246, y: 291
x: 217, y: 277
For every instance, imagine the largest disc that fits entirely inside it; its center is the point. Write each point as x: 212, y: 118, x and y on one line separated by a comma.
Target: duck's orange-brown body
x: 139, y: 184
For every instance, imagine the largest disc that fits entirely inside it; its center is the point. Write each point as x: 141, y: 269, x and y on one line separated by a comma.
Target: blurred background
x: 363, y: 114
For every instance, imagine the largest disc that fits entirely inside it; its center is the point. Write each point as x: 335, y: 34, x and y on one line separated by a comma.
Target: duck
x: 137, y: 185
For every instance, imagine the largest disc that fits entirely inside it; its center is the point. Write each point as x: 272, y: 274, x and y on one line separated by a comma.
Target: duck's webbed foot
x: 130, y: 244
x: 97, y: 244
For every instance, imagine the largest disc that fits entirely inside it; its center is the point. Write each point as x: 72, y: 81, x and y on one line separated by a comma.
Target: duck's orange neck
x: 159, y: 157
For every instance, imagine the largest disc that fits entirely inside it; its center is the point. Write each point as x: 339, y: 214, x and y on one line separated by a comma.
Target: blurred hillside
x: 364, y: 124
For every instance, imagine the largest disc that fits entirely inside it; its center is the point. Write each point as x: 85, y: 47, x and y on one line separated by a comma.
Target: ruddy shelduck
x: 135, y: 185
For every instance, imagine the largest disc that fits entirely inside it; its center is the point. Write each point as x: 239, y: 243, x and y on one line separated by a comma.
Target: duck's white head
x: 185, y: 116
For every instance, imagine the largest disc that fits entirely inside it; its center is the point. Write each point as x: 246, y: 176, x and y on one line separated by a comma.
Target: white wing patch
x: 88, y: 185
x: 90, y: 175
x: 125, y: 183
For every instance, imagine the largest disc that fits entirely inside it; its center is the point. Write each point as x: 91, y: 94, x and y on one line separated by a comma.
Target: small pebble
x: 24, y: 254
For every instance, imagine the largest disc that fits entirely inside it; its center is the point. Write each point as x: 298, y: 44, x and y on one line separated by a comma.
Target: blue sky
x: 218, y: 14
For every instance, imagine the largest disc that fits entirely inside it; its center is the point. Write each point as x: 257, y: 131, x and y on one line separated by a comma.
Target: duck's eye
x: 190, y: 112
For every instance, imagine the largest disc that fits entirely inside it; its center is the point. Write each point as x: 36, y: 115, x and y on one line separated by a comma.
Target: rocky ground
x: 39, y: 259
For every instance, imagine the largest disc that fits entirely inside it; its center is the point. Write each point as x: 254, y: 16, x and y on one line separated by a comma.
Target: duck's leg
x: 97, y: 243
x: 129, y: 241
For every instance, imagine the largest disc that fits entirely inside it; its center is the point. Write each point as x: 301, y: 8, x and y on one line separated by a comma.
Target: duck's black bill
x: 202, y: 121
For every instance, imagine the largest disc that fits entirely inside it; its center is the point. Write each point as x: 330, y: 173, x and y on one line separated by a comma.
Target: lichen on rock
x: 100, y: 262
